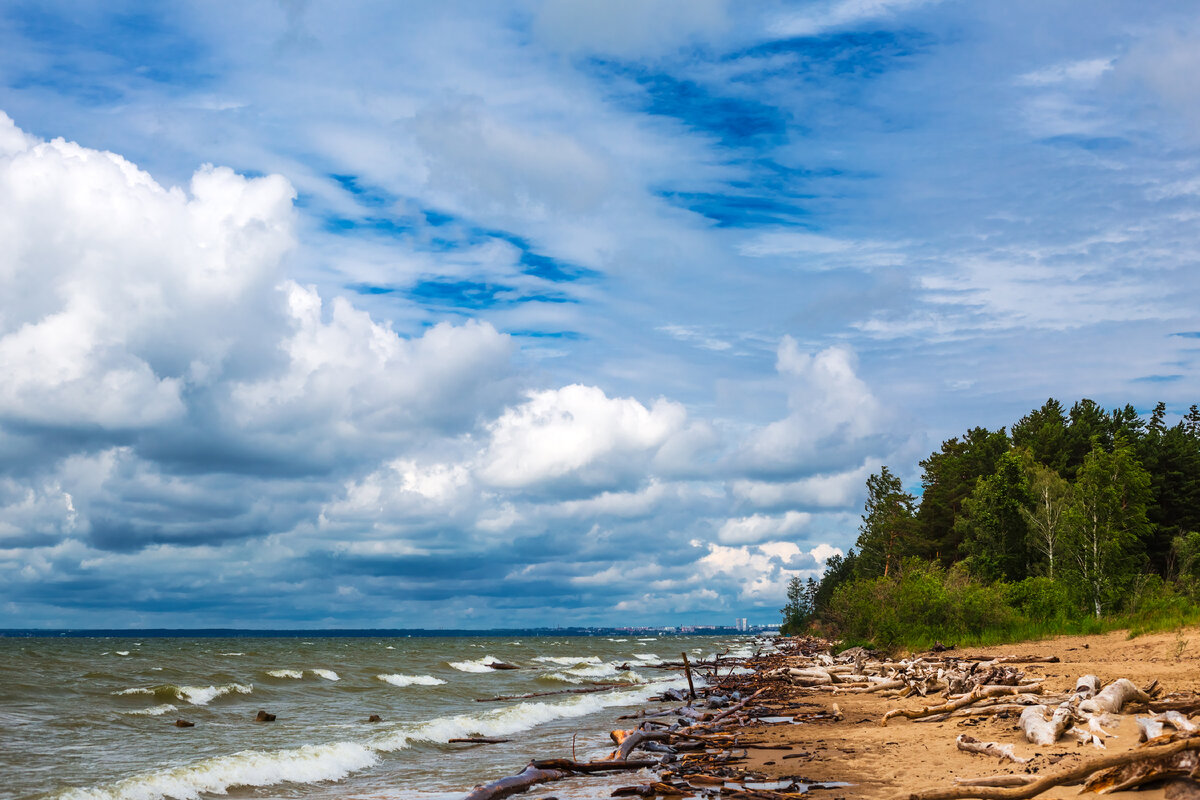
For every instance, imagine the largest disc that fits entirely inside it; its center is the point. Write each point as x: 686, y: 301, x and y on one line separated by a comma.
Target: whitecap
x: 122, y: 652
x: 478, y: 665
x: 571, y: 660
x: 196, y: 695
x: 233, y: 654
x: 203, y: 695
x: 286, y: 673
x: 411, y: 680
x: 327, y: 674
x: 308, y: 764
x: 153, y: 711
x: 618, y: 640
x: 514, y: 719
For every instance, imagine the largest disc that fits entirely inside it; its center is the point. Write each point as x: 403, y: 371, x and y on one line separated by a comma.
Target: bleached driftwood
x: 1148, y: 728
x: 974, y: 696
x: 1178, y: 721
x: 1086, y: 687
x: 1038, y: 730
x: 1068, y: 776
x: 969, y: 744
x: 1114, y: 697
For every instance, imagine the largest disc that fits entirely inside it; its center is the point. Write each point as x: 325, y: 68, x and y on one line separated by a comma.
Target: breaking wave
x: 297, y: 674
x: 196, y: 695
x: 478, y: 665
x: 332, y: 762
x: 411, y: 680
x: 571, y: 660
x: 153, y: 711
x: 307, y: 764
x: 327, y: 674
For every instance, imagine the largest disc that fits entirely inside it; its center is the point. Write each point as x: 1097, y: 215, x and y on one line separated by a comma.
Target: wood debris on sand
x: 1041, y: 723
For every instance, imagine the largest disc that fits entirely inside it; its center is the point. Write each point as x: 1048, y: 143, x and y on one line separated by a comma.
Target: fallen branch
x: 477, y: 740
x: 974, y: 696
x: 607, y: 687
x: 969, y: 744
x: 1068, y: 776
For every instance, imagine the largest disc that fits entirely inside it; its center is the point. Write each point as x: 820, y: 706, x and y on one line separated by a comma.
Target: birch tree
x: 1051, y: 499
x: 1106, y: 524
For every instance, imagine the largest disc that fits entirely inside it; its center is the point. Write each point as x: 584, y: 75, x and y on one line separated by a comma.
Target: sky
x: 524, y: 313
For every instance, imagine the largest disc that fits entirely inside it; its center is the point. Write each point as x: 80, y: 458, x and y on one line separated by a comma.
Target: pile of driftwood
x: 697, y: 742
x: 976, y: 687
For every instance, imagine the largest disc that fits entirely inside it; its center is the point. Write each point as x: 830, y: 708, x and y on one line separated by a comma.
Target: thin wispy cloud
x: 623, y: 301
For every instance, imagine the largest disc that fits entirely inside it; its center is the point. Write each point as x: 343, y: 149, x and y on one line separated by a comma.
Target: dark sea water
x: 94, y: 718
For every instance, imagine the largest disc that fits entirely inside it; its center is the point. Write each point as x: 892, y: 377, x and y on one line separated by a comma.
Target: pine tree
x: 1043, y: 432
x: 995, y: 532
x: 888, y: 525
x: 948, y: 479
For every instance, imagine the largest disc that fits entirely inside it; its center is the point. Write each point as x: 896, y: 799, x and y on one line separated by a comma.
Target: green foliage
x: 1105, y: 525
x: 1084, y: 521
x: 1041, y: 598
x: 1046, y: 515
x: 798, y: 612
x: 948, y: 479
x: 888, y: 524
x: 995, y: 533
x: 920, y: 603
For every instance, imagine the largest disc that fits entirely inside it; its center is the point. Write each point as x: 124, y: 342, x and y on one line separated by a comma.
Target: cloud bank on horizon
x: 547, y: 312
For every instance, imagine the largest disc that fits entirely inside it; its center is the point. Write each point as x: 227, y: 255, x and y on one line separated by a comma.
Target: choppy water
x: 94, y: 718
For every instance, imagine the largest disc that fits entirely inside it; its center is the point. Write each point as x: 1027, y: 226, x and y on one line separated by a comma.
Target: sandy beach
x: 909, y: 756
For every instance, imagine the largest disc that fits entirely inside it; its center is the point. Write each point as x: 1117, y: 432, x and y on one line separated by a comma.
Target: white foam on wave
x: 153, y: 711
x: 618, y: 640
x: 308, y: 764
x: 296, y: 674
x: 122, y: 652
x: 514, y: 719
x: 327, y: 674
x: 647, y: 658
x: 410, y: 680
x: 196, y: 695
x: 607, y: 672
x: 572, y: 660
x: 203, y: 695
x: 332, y: 762
x: 233, y: 654
x: 478, y: 665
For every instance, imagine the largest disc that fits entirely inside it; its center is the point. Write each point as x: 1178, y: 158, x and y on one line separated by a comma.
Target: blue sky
x: 546, y: 312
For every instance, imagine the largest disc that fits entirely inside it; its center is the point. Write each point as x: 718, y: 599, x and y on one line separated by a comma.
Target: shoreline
x: 830, y: 743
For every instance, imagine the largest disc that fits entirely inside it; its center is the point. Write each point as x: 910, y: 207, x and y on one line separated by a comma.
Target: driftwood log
x: 1074, y: 774
x: 1041, y: 731
x: 545, y: 771
x: 969, y: 744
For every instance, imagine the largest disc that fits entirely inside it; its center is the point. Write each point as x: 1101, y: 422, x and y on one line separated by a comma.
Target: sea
x: 88, y: 718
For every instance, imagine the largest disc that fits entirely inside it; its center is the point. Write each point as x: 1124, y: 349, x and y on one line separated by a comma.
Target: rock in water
x: 502, y: 665
x: 183, y: 723
x: 264, y: 717
x: 374, y: 718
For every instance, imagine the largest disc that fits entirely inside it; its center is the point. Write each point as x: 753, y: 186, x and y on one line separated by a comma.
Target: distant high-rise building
x: 740, y: 624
